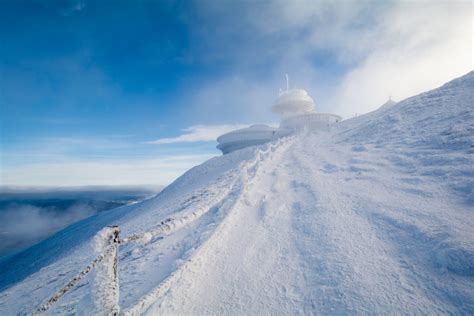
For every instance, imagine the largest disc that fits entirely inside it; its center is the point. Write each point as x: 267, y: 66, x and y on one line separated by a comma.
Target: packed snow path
x: 373, y: 216
x: 343, y: 241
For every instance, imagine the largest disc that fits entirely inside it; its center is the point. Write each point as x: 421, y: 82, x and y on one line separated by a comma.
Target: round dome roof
x: 248, y: 132
x: 292, y: 102
x: 259, y: 127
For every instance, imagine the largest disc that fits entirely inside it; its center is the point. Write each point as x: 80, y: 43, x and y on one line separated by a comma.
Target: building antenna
x: 287, y: 82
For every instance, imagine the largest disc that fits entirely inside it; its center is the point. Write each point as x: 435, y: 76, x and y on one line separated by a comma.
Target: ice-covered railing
x: 108, y: 242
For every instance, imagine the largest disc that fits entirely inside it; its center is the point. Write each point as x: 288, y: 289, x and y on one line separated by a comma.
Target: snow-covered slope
x: 373, y: 216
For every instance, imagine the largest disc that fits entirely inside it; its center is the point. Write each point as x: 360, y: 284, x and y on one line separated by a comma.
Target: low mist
x: 23, y: 225
x: 27, y: 217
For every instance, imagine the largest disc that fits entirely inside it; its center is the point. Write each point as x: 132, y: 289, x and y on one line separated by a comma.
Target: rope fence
x: 112, y: 250
x: 111, y: 253
x: 109, y: 258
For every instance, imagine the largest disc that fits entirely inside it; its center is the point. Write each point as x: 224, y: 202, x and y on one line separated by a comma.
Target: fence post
x: 105, y: 288
x: 114, y: 243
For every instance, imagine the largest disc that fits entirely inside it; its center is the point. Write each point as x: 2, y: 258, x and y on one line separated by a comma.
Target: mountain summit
x: 372, y: 216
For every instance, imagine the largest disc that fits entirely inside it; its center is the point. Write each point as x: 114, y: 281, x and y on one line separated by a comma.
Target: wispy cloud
x: 349, y: 55
x: 82, y: 161
x: 373, y: 49
x: 76, y: 7
x: 74, y: 172
x: 419, y: 46
x: 198, y: 133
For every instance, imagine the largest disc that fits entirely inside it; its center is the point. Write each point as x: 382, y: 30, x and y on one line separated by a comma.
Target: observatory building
x: 297, y: 111
x: 250, y: 136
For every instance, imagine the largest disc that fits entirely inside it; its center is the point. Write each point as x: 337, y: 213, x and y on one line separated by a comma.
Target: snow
x: 105, y: 289
x: 372, y: 216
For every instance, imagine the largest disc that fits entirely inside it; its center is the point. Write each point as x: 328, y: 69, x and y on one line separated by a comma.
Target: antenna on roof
x: 287, y: 82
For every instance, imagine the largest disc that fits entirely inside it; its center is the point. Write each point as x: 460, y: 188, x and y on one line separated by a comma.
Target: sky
x: 135, y: 92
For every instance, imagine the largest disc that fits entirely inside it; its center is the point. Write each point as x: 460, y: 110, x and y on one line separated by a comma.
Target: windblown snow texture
x: 374, y: 216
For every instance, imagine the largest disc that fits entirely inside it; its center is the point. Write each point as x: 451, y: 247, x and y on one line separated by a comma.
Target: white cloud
x: 376, y: 49
x: 422, y: 46
x: 198, y: 133
x: 70, y: 172
x: 76, y: 7
x: 83, y: 161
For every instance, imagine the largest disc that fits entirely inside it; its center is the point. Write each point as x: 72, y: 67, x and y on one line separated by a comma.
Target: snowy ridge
x: 429, y: 134
x: 248, y: 171
x: 373, y: 216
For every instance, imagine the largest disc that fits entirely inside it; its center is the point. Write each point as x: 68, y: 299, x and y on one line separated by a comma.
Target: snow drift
x: 374, y: 216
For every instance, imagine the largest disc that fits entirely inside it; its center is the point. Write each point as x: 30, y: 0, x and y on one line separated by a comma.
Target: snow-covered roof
x: 247, y: 133
x: 294, y: 101
x: 253, y: 135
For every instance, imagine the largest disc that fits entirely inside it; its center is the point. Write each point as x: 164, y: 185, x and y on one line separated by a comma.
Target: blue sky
x: 134, y: 92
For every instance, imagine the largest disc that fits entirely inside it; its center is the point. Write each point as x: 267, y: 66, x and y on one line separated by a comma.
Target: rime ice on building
x: 296, y: 109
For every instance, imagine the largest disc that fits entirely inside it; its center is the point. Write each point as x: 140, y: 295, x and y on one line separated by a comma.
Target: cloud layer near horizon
x: 131, y: 171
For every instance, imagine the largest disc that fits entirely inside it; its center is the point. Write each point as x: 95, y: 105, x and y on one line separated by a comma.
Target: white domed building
x: 251, y: 136
x: 297, y: 111
x: 296, y: 108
